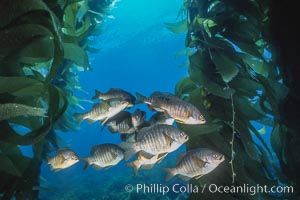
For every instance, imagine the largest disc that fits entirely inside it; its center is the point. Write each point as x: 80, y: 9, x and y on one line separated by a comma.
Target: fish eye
x: 215, y: 156
x: 182, y: 134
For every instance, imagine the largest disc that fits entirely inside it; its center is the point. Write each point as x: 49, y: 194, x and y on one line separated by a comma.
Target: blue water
x: 138, y: 55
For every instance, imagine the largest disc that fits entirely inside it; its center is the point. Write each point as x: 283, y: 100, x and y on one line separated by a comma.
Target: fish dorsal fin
x: 180, y: 157
x: 148, y: 166
x: 115, y: 90
x: 184, y: 178
x: 200, y: 163
x: 94, y: 149
x: 97, y: 105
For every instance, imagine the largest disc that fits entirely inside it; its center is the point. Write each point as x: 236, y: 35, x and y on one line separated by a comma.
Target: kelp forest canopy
x: 43, y: 46
x: 242, y: 57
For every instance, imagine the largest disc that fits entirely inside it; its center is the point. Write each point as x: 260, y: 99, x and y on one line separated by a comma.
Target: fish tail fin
x: 135, y: 166
x: 171, y: 172
x: 79, y: 117
x: 140, y: 98
x: 86, y: 162
x: 97, y: 94
x: 129, y: 148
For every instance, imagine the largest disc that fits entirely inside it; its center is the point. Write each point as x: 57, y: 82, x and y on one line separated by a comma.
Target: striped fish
x: 138, y: 118
x: 115, y: 93
x: 103, y: 111
x: 121, y: 122
x: 104, y: 156
x: 155, y: 99
x: 64, y: 158
x: 181, y: 111
x: 195, y: 164
x: 155, y: 140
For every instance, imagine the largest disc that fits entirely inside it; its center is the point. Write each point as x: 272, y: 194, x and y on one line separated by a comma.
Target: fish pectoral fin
x: 168, y: 138
x: 184, y: 178
x: 200, y: 163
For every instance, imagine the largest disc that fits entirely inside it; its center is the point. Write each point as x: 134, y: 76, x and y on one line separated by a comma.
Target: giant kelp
x: 43, y: 44
x: 235, y: 79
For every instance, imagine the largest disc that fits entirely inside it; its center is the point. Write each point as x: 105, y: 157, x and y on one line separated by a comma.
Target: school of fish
x: 151, y: 141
